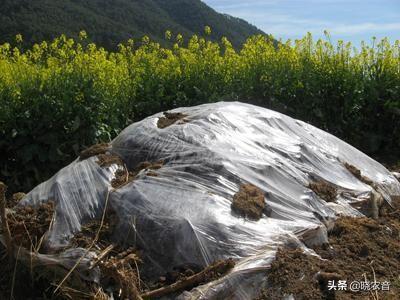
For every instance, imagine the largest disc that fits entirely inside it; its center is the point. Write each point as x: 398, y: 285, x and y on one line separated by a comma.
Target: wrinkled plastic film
x: 184, y: 214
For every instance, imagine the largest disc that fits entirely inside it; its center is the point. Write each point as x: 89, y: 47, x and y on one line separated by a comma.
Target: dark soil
x: 94, y: 150
x: 171, y: 118
x: 324, y: 190
x: 249, y: 202
x: 358, y: 248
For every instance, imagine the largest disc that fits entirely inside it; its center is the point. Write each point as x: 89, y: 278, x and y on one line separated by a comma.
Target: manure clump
x: 249, y: 202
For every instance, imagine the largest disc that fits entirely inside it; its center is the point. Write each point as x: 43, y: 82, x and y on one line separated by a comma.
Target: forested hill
x: 109, y: 22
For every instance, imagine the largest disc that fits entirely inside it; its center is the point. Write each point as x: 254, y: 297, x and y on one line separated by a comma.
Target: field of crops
x: 58, y: 97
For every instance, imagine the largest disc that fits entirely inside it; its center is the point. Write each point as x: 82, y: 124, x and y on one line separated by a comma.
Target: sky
x: 348, y: 20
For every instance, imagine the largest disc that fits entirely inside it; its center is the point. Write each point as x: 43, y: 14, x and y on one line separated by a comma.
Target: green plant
x: 58, y: 97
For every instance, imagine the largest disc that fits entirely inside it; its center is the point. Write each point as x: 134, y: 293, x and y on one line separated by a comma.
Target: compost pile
x: 199, y: 203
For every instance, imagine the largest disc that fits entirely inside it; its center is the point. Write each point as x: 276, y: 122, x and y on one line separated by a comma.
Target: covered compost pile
x: 194, y: 204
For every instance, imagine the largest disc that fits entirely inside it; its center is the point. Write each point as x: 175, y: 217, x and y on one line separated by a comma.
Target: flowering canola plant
x: 57, y: 97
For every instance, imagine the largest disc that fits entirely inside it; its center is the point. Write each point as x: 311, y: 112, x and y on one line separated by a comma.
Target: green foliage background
x: 56, y: 98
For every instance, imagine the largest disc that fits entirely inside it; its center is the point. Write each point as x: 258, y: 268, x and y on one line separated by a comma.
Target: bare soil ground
x: 359, y: 249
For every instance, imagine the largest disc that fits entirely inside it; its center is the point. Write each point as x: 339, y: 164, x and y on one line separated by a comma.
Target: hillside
x: 110, y: 22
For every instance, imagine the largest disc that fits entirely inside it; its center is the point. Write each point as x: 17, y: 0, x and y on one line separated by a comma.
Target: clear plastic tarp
x: 184, y: 214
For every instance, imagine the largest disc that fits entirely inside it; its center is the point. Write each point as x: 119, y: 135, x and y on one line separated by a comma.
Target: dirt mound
x: 324, y: 190
x: 171, y: 118
x: 359, y: 249
x: 249, y: 202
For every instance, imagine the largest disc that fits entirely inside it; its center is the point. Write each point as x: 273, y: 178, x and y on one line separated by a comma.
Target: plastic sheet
x: 184, y: 214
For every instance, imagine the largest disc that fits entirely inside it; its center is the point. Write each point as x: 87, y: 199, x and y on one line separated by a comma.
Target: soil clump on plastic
x: 357, y: 173
x: 146, y: 165
x: 359, y: 249
x: 94, y: 150
x: 171, y: 118
x: 324, y: 190
x: 123, y: 176
x: 106, y: 160
x: 152, y: 174
x: 249, y: 202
